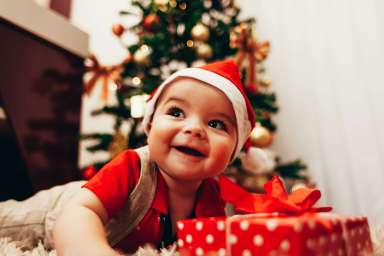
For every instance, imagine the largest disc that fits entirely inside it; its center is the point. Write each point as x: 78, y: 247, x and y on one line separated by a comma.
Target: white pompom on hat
x: 225, y: 76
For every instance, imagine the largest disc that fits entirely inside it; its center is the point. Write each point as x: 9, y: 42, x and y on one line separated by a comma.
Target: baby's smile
x: 190, y: 151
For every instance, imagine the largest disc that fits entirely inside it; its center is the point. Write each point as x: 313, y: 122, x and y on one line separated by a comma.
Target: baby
x: 197, y: 122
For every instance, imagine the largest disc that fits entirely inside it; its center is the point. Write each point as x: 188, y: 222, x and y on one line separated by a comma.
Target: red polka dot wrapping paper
x: 272, y: 234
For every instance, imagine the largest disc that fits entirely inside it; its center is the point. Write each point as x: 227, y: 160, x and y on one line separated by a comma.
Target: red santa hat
x: 225, y: 76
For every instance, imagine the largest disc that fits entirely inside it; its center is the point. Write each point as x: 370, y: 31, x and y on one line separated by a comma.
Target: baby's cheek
x: 223, y: 154
x: 222, y: 157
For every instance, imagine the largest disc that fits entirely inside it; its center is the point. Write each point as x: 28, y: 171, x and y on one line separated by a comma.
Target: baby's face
x: 193, y: 132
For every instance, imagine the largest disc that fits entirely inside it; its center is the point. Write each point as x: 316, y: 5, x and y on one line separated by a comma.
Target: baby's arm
x: 79, y: 228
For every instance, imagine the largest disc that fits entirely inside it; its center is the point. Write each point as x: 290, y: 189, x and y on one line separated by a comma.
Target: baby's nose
x: 194, y: 128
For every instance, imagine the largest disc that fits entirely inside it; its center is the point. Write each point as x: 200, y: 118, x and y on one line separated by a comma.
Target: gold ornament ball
x: 200, y: 32
x: 162, y: 5
x: 141, y: 56
x: 173, y: 3
x: 161, y: 2
x: 261, y: 136
x: 204, y: 51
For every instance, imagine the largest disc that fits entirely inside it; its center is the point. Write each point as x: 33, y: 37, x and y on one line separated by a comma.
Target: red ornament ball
x: 118, y: 29
x: 151, y: 22
x: 89, y: 172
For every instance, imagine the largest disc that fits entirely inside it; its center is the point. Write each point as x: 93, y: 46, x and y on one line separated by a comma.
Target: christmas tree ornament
x: 119, y: 143
x: 165, y: 71
x: 171, y: 27
x: 155, y: 71
x: 136, y: 81
x: 265, y: 82
x: 231, y: 11
x: 226, y: 3
x: 180, y: 29
x: 207, y: 4
x: 142, y: 55
x: 200, y: 32
x: 183, y: 6
x: 138, y: 103
x: 108, y: 75
x: 173, y: 3
x: 190, y: 43
x: 204, y: 51
x: 198, y: 63
x: 162, y: 5
x: 205, y: 19
x: 89, y: 172
x: 118, y: 29
x: 262, y: 51
x: 243, y: 38
x: 145, y: 3
x: 258, y: 160
x: 175, y: 65
x: 151, y: 22
x: 226, y: 19
x: 261, y: 136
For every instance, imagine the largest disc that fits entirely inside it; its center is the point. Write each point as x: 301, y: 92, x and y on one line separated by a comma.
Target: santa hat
x: 225, y: 76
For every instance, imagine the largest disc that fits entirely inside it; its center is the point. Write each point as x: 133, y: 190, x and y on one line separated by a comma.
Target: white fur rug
x: 13, y: 248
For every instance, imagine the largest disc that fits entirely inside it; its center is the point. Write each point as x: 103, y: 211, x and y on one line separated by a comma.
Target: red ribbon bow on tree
x: 276, y: 198
x: 106, y: 73
x: 241, y: 37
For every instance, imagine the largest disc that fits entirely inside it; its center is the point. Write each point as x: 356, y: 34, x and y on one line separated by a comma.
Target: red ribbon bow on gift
x: 276, y: 198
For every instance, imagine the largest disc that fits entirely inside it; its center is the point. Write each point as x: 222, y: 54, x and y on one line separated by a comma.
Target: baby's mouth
x: 189, y: 151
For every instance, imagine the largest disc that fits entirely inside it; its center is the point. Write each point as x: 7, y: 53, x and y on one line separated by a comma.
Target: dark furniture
x: 40, y: 97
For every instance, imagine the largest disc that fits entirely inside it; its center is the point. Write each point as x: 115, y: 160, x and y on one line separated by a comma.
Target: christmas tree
x: 174, y: 34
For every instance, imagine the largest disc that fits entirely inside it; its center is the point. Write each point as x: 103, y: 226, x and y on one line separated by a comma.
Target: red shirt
x: 116, y: 180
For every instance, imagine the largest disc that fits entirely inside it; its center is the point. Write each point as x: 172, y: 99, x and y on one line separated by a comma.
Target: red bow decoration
x: 106, y: 73
x: 242, y: 38
x: 276, y: 198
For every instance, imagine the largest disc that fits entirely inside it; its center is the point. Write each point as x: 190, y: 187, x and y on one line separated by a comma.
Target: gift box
x: 304, y: 232
x: 356, y: 235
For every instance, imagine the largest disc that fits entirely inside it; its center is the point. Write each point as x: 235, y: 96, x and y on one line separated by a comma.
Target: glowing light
x: 183, y: 6
x: 190, y: 43
x: 136, y: 81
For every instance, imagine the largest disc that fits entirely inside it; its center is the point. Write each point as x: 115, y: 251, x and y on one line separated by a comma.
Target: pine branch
x: 291, y: 169
x: 102, y: 141
x: 264, y: 101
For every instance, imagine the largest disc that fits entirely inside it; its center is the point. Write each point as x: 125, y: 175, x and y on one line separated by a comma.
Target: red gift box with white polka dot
x: 356, y: 235
x: 268, y: 234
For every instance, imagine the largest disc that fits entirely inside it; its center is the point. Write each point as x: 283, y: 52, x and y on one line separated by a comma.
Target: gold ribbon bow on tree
x: 241, y: 37
x: 106, y: 73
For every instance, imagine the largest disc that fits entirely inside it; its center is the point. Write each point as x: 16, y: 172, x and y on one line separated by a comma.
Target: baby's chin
x: 189, y: 176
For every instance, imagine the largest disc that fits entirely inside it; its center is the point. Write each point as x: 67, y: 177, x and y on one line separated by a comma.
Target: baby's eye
x: 175, y: 111
x: 217, y: 124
